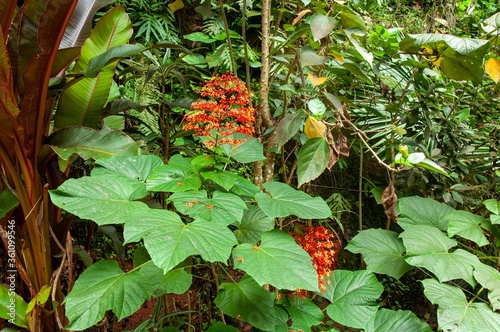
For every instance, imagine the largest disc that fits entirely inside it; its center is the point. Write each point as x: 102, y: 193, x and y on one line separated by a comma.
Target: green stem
x: 226, y: 26
x: 360, y: 188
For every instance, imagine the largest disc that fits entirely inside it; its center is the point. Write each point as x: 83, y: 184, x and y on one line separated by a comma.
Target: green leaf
x: 349, y: 18
x: 169, y: 241
x: 247, y: 301
x: 40, y: 298
x: 382, y: 251
x: 459, y: 58
x: 252, y: 225
x: 489, y: 278
x: 353, y: 34
x: 466, y: 225
x: 9, y: 201
x: 316, y: 106
x: 221, y: 327
x: 176, y: 281
x: 285, y: 201
x: 432, y: 166
x: 244, y: 187
x: 423, y: 211
x: 90, y: 143
x: 313, y: 159
x: 104, y: 199
x: 427, y: 247
x: 390, y: 320
x: 173, y: 178
x: 308, y: 57
x: 225, y: 179
x: 304, y: 313
x: 97, y: 63
x: 353, y: 297
x: 455, y: 313
x: 12, y: 306
x: 199, y: 37
x: 101, y: 287
x: 136, y: 167
x: 492, y: 205
x: 287, y: 128
x: 321, y: 26
x: 247, y: 152
x: 278, y: 261
x: 224, y: 208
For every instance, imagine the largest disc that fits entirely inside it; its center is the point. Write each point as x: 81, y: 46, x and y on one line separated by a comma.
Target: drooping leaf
x: 135, y: 167
x: 353, y: 34
x: 353, y: 296
x: 382, y: 251
x: 313, y: 159
x: 104, y: 199
x: 459, y: 58
x: 489, y: 278
x: 18, y: 314
x: 247, y: 301
x: 285, y: 201
x: 91, y: 297
x: 423, y: 211
x: 432, y: 166
x: 314, y: 128
x: 466, y: 225
x: 321, y: 26
x: 278, y: 261
x: 349, y: 18
x: 492, y: 68
x: 96, y: 64
x: 304, y: 313
x: 316, y: 80
x: 287, y: 128
x: 224, y: 208
x: 90, y: 143
x: 253, y: 223
x: 40, y: 298
x: 9, y: 201
x: 492, y: 205
x: 390, y: 320
x: 455, y: 313
x: 169, y: 241
x: 308, y: 57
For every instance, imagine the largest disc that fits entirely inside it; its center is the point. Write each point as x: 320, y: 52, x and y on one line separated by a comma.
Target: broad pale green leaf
x: 459, y: 58
x: 280, y: 319
x: 278, y: 261
x: 136, y: 167
x: 90, y: 143
x: 353, y: 296
x: 224, y: 208
x: 245, y: 187
x: 173, y: 178
x: 285, y: 201
x: 389, y: 320
x: 489, y: 278
x: 247, y: 301
x: 353, y: 34
x: 423, y: 211
x: 455, y: 313
x: 382, y: 251
x: 252, y: 225
x: 96, y: 64
x: 169, y: 241
x: 316, y: 107
x: 9, y: 201
x: 492, y: 205
x: 424, y: 239
x: 247, y: 152
x: 321, y: 26
x: 349, y: 18
x: 199, y: 37
x: 313, y: 159
x: 101, y: 287
x: 176, y: 281
x: 16, y: 310
x: 107, y: 199
x: 308, y: 57
x: 304, y: 314
x: 287, y: 128
x: 466, y: 225
x: 225, y: 179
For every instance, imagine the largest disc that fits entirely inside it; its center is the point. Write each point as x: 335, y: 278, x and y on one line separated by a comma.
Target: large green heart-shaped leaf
x: 169, y: 241
x: 354, y: 297
x: 252, y: 225
x: 313, y: 159
x: 304, y: 313
x: 466, y: 225
x: 92, y: 296
x: 247, y: 301
x: 423, y: 211
x: 104, y: 199
x: 278, y: 261
x: 136, y: 167
x: 173, y: 178
x: 382, y: 251
x: 247, y: 152
x: 321, y: 26
x: 223, y: 207
x: 223, y: 178
x: 455, y: 313
x: 389, y: 320
x: 489, y: 278
x: 285, y: 201
x: 176, y: 281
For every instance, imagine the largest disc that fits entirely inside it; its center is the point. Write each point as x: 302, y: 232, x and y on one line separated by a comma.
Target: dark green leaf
x: 313, y: 159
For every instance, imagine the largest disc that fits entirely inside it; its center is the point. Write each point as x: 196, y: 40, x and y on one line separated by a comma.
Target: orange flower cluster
x: 322, y: 245
x: 226, y: 112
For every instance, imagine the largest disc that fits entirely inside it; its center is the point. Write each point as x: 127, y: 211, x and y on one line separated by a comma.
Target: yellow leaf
x: 492, y: 68
x: 316, y: 80
x: 314, y: 128
x: 338, y: 57
x: 176, y: 5
x: 301, y: 14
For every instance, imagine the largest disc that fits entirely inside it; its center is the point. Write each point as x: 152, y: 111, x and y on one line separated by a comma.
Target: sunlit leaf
x: 134, y: 167
x: 489, y: 278
x: 316, y: 80
x: 19, y: 314
x: 390, y: 320
x: 492, y: 68
x: 314, y: 128
x: 321, y: 26
x: 467, y: 225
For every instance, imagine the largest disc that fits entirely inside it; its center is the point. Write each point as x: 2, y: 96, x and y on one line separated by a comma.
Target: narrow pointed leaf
x: 91, y: 297
x: 117, y: 52
x: 285, y: 201
x: 278, y: 261
x: 313, y: 159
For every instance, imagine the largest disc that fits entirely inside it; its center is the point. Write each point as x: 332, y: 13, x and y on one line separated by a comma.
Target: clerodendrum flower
x: 322, y: 245
x: 226, y: 111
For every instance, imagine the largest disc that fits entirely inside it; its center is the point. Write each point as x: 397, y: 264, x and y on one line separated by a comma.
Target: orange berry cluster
x: 322, y: 245
x: 226, y: 111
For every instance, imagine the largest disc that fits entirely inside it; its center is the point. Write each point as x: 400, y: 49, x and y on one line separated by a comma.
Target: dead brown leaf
x: 389, y: 200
